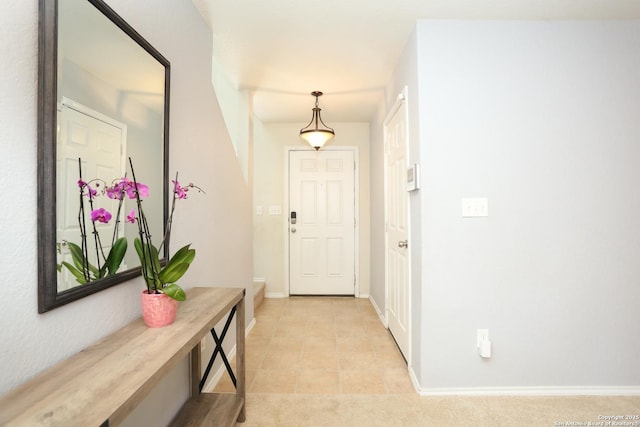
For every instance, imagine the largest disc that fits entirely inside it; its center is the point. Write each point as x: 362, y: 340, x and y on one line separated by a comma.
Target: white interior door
x: 101, y: 143
x: 322, y: 236
x: 397, y: 227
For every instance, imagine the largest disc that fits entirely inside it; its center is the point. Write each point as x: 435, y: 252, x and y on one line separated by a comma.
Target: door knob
x: 293, y: 229
x: 403, y: 244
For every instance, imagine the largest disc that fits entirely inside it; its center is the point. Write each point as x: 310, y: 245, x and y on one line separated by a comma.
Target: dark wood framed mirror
x: 103, y: 97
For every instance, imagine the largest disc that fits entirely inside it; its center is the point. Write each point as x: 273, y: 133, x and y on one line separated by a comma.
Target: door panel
x: 322, y: 241
x: 396, y: 212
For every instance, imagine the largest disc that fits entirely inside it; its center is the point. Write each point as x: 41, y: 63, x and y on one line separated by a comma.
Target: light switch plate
x: 275, y: 210
x: 475, y: 207
x: 413, y: 178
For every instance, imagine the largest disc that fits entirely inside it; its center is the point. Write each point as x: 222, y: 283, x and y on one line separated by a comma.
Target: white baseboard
x: 380, y: 314
x: 275, y: 295
x: 414, y: 381
x: 249, y: 326
x: 259, y: 280
x: 523, y: 391
x: 531, y: 391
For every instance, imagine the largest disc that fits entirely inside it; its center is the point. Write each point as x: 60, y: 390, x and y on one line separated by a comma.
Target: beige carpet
x: 412, y: 410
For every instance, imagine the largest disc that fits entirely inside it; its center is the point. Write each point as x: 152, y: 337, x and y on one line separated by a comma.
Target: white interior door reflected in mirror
x: 100, y: 142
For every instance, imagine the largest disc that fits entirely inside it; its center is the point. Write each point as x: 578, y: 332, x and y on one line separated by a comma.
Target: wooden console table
x: 103, y: 383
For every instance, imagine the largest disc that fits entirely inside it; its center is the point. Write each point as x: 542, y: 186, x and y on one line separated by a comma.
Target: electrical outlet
x: 483, y: 335
x: 484, y: 345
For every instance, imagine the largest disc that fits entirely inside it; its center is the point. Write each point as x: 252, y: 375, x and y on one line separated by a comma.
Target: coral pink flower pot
x: 158, y: 310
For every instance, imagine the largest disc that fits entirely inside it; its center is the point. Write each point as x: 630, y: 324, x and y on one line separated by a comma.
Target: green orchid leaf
x: 94, y: 270
x: 144, y: 257
x: 174, y: 291
x: 155, y: 259
x: 149, y: 254
x: 116, y: 255
x: 102, y: 272
x: 144, y: 252
x: 184, y: 255
x: 76, y: 255
x: 137, y: 244
x: 174, y: 273
x: 149, y: 250
x: 78, y: 260
x: 178, y: 264
x: 75, y: 272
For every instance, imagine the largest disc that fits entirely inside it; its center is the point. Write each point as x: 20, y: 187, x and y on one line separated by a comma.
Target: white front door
x: 397, y: 221
x: 322, y: 235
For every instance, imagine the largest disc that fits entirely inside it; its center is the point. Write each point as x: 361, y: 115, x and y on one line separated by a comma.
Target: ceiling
x: 283, y: 50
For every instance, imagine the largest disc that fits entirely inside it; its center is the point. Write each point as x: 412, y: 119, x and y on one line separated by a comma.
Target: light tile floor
x: 321, y: 345
x: 329, y: 362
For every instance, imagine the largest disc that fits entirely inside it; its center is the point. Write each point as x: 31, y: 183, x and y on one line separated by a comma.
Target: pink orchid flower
x: 143, y: 190
x: 132, y: 216
x: 101, y: 215
x: 181, y: 192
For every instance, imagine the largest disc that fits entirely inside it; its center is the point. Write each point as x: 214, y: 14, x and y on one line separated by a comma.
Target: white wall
x: 219, y: 223
x: 270, y: 141
x: 236, y: 106
x: 377, y: 251
x: 541, y: 118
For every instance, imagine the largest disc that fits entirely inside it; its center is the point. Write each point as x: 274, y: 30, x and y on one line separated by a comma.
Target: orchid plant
x: 162, y: 279
x: 159, y: 278
x: 103, y: 265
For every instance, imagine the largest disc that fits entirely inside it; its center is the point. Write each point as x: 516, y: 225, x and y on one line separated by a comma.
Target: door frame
x: 285, y: 220
x: 401, y: 102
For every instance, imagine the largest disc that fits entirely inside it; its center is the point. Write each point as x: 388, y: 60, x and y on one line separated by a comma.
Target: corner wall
x: 542, y: 119
x: 200, y: 149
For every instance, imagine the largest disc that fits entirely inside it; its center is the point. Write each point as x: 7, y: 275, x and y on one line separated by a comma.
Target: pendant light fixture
x: 313, y: 133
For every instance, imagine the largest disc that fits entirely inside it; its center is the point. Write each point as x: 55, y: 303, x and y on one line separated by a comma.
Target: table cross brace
x: 218, y: 341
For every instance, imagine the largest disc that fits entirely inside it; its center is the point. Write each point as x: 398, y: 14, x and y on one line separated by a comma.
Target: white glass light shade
x: 317, y: 137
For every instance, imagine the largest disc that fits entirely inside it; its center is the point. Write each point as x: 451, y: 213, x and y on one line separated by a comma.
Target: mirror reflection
x: 111, y: 105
